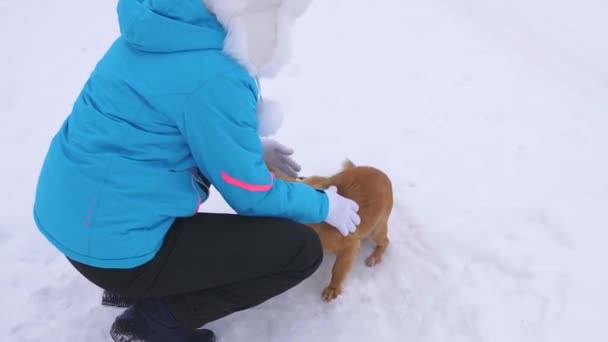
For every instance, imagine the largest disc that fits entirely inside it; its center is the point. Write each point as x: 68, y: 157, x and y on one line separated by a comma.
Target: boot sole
x: 119, y: 333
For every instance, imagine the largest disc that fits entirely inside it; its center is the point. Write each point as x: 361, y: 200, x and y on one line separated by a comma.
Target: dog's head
x: 318, y: 182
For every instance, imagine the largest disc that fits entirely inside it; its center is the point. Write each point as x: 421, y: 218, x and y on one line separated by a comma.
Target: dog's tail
x: 348, y: 164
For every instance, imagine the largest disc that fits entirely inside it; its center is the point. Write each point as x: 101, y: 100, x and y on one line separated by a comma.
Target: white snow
x: 491, y: 117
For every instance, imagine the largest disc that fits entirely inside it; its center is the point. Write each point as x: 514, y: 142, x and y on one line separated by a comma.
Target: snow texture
x: 490, y: 116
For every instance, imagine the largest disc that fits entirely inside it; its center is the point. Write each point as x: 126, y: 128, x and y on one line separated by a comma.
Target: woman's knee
x: 310, y: 249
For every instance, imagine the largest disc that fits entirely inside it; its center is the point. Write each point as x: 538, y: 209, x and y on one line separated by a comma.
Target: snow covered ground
x: 490, y: 116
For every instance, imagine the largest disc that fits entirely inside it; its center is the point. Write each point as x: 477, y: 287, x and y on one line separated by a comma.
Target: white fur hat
x: 258, y: 31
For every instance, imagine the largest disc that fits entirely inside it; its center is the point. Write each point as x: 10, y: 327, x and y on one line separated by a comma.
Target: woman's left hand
x: 277, y: 156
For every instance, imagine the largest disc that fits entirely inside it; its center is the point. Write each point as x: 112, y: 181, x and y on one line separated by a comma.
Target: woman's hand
x: 277, y: 156
x: 342, y: 213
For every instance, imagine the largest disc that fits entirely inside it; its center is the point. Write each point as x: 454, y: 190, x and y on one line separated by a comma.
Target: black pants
x: 212, y: 265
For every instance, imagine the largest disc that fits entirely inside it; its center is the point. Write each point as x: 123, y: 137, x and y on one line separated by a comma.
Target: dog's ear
x: 348, y: 164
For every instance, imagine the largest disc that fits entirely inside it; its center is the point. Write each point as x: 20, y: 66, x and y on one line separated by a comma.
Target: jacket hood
x: 254, y: 32
x: 169, y: 25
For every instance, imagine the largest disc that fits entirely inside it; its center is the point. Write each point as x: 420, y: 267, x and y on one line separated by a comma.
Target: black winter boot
x: 150, y: 320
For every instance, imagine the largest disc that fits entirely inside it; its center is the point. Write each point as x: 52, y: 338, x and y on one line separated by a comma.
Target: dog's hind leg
x: 342, y: 266
x: 380, y: 237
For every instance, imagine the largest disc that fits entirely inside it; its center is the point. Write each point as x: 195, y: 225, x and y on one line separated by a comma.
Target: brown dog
x: 372, y: 190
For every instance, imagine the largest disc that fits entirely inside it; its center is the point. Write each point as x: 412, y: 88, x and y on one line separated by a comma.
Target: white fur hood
x: 258, y: 31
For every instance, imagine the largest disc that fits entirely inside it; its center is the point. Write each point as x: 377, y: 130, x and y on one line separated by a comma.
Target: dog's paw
x: 330, y: 293
x: 372, y: 260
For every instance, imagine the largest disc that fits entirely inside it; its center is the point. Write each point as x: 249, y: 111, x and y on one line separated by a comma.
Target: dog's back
x: 369, y: 187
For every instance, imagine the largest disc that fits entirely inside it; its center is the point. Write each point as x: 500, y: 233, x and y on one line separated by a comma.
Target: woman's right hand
x: 342, y: 213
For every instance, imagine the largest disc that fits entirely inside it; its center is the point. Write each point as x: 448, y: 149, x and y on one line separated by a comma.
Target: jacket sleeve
x: 220, y: 126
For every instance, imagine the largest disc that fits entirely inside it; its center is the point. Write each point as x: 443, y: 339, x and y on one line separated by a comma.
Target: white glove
x: 278, y: 157
x: 342, y: 212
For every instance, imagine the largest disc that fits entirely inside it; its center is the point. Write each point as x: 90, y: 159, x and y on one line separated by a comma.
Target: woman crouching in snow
x: 171, y: 109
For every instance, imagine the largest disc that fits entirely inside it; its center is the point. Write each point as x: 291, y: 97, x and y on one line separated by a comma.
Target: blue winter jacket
x: 163, y: 103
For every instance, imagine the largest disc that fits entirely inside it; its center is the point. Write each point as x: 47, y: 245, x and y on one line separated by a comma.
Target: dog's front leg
x: 342, y: 266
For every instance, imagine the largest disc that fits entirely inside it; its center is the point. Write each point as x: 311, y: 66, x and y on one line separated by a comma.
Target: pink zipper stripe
x: 246, y: 186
